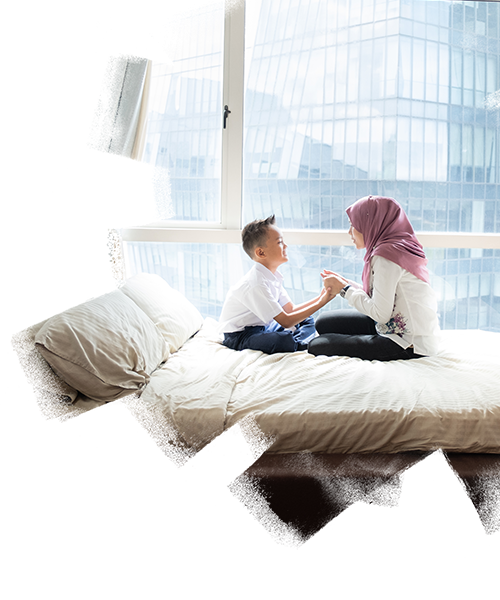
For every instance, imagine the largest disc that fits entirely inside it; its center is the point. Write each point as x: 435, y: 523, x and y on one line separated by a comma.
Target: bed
x: 308, y: 419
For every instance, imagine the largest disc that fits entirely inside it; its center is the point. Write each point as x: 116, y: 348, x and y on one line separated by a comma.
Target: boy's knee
x: 283, y: 341
x: 272, y: 343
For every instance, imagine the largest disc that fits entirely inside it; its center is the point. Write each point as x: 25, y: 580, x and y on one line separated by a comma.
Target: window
x: 184, y: 121
x: 336, y: 100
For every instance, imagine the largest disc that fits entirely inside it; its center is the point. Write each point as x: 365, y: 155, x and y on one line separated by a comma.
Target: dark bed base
x: 306, y: 491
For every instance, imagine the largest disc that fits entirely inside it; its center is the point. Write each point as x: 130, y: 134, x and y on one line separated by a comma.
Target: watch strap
x: 344, y: 290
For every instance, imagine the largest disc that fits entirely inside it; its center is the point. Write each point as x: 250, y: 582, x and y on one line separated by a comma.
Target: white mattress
x: 336, y: 404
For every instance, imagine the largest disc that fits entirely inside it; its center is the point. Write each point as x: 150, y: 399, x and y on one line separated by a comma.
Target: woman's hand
x: 334, y: 283
x: 326, y: 273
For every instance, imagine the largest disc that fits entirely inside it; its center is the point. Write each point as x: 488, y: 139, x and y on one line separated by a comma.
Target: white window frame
x: 228, y: 230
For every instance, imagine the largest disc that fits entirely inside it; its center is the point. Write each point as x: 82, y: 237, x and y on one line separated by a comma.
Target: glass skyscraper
x: 343, y: 99
x: 383, y: 97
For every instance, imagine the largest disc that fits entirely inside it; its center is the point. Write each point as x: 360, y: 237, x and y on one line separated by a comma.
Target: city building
x: 342, y: 99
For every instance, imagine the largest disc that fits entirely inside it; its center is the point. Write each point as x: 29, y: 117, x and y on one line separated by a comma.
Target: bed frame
x: 293, y: 496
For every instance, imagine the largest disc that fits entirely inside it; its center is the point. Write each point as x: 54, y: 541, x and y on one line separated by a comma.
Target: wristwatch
x: 344, y: 290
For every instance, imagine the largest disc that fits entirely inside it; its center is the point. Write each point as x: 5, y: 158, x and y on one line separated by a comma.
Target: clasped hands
x: 333, y: 282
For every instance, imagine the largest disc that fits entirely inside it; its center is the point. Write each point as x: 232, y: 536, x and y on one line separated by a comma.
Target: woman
x: 397, y: 316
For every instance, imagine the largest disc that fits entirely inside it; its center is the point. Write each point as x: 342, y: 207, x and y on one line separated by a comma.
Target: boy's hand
x: 327, y: 294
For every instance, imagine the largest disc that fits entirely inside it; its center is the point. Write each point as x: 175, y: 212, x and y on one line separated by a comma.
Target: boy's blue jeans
x: 272, y: 339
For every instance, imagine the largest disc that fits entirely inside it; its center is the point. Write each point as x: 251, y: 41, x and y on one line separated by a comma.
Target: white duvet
x: 336, y: 404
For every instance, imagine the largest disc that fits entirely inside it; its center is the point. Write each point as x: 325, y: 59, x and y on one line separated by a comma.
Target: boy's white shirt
x: 255, y: 300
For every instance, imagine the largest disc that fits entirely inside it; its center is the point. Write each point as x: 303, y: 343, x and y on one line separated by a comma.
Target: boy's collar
x: 269, y: 274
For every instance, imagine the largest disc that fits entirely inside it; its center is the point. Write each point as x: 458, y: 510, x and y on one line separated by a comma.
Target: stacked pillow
x: 108, y: 347
x: 176, y: 318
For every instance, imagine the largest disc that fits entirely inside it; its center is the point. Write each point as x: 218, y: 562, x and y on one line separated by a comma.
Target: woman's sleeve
x: 385, y: 278
x: 354, y: 284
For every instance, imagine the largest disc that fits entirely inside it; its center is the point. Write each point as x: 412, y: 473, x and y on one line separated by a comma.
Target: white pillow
x: 55, y: 398
x: 171, y: 311
x: 105, y: 348
x: 45, y: 381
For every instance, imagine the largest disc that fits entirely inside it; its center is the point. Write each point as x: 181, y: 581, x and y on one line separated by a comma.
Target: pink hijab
x: 387, y: 232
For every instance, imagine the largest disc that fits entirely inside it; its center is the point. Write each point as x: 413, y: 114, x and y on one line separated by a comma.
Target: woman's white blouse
x: 403, y: 306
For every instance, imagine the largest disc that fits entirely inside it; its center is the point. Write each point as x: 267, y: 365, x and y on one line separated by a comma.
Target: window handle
x: 226, y: 114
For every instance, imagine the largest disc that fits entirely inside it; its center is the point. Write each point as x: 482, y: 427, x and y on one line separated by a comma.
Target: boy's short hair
x: 255, y: 234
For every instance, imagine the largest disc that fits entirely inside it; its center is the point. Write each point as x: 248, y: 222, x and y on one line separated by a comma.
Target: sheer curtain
x: 120, y: 120
x: 119, y: 124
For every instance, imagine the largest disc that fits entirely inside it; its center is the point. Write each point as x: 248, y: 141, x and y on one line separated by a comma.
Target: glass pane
x: 185, y: 118
x: 342, y: 102
x: 466, y: 282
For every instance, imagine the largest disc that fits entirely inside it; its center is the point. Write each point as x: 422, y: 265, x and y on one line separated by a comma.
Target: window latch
x: 226, y: 114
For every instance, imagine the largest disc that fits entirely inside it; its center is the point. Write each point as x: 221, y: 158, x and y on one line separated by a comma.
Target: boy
x: 258, y: 313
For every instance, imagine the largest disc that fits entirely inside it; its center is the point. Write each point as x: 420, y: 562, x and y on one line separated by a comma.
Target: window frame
x: 228, y: 229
